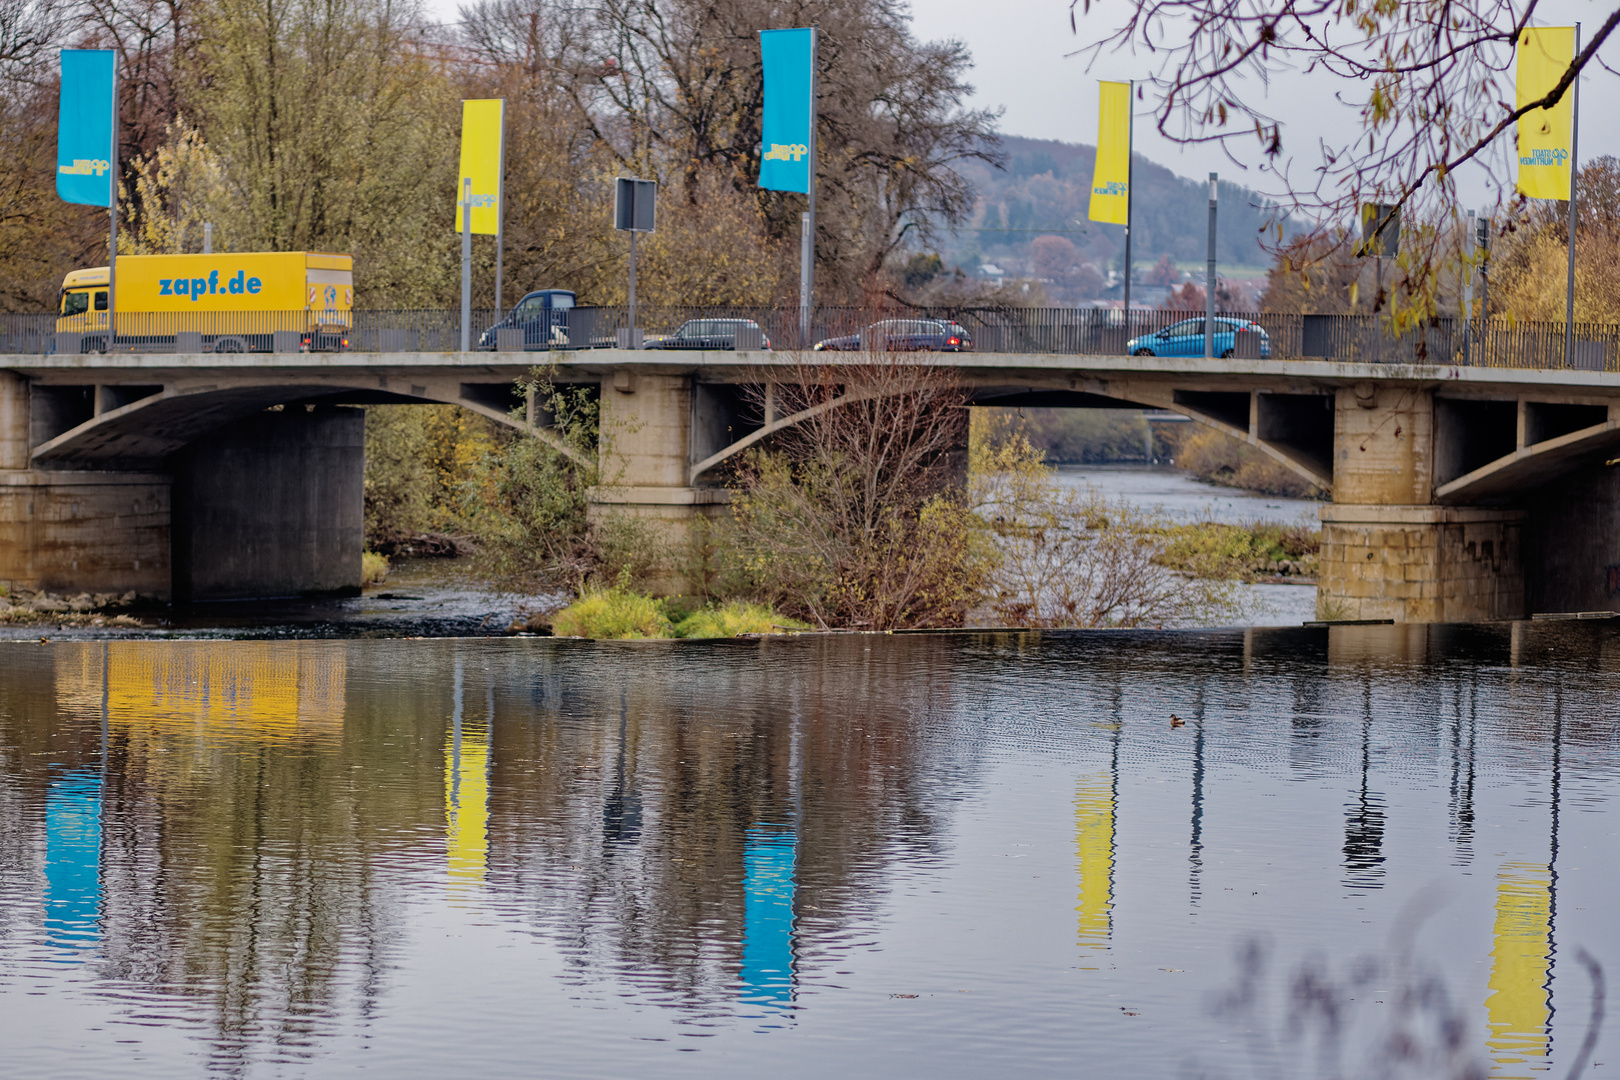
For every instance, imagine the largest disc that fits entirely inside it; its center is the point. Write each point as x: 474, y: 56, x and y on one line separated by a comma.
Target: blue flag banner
x: 788, y: 57
x: 84, y: 134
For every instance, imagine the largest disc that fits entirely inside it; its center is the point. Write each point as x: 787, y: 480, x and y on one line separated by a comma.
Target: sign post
x: 635, y: 211
x: 466, y: 265
x: 87, y: 145
x: 787, y: 160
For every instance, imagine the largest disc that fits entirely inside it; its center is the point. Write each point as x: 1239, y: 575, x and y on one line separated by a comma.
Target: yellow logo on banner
x: 1111, y: 181
x: 84, y: 167
x: 1544, y: 54
x: 483, y: 123
x: 783, y: 152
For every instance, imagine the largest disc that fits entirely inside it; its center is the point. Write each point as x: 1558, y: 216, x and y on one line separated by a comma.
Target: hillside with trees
x: 1030, y: 220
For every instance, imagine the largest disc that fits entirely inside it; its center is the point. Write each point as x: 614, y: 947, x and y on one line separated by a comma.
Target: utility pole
x: 112, y: 230
x: 1468, y: 301
x: 1574, y: 164
x: 1209, y: 280
x: 807, y: 245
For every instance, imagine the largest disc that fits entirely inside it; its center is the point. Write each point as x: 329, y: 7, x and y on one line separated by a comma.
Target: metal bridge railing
x: 992, y: 329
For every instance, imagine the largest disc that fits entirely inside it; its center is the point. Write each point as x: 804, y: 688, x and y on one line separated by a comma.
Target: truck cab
x: 83, y: 305
x: 542, y: 316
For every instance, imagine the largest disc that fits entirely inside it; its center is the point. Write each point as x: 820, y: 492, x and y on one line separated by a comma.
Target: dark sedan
x: 744, y: 334
x: 903, y: 335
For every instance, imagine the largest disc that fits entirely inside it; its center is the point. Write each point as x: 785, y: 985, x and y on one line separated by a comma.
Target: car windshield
x: 534, y: 305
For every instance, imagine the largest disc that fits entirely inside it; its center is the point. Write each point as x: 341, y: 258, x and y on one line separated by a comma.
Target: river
x: 951, y: 855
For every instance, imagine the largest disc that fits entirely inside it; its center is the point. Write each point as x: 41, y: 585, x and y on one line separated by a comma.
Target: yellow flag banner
x: 1111, y: 181
x: 1544, y: 54
x: 482, y: 149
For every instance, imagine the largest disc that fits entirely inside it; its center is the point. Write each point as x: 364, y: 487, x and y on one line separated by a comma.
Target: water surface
x: 913, y: 856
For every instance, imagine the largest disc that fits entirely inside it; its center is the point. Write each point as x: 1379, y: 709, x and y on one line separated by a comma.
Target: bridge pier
x: 271, y: 506
x: 1388, y: 551
x: 654, y: 426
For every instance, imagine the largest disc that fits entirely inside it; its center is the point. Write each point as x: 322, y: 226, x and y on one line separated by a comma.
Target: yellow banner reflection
x: 1516, y: 1010
x: 1094, y: 846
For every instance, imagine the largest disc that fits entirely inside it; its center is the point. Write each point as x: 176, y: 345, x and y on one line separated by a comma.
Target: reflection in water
x: 466, y: 792
x: 1518, y: 1005
x: 768, y: 887
x: 73, y: 860
x: 1094, y: 844
x: 251, y: 842
x: 1364, y: 818
x: 209, y: 690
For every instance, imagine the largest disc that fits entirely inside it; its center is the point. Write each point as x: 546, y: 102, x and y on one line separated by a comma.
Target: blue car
x: 1186, y: 338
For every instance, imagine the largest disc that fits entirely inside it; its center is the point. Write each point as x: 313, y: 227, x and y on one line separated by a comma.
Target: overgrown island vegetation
x: 892, y: 511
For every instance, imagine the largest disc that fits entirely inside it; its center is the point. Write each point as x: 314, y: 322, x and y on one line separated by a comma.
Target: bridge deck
x: 735, y: 366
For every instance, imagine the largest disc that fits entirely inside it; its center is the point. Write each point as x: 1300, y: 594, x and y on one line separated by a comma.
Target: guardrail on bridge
x: 1079, y: 331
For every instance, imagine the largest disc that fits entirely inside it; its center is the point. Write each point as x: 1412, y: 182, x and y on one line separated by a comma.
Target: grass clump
x: 616, y: 613
x: 733, y: 618
x: 373, y: 568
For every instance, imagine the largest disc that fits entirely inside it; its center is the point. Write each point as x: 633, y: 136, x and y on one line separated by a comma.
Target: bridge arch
x: 155, y: 425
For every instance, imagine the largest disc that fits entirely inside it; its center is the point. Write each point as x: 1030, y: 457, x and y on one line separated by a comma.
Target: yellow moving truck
x: 244, y: 302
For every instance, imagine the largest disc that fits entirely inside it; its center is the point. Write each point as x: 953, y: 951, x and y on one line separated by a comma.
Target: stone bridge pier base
x: 72, y: 531
x: 653, y: 428
x: 1388, y: 552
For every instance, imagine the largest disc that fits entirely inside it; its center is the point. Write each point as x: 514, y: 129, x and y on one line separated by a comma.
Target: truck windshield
x: 75, y: 303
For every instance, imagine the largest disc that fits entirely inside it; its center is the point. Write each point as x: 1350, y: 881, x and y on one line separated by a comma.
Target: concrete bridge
x: 1459, y: 493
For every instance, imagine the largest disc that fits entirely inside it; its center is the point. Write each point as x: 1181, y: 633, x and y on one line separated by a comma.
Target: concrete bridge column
x: 1387, y: 551
x: 647, y: 446
x: 75, y: 531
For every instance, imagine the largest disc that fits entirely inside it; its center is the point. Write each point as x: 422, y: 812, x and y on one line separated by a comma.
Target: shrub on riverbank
x: 622, y: 613
x: 1248, y: 551
x: 857, y: 517
x: 613, y: 613
x: 1217, y: 457
x: 732, y: 618
x: 373, y: 568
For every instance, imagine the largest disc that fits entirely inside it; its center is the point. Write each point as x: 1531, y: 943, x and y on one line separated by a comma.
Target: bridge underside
x: 1457, y: 493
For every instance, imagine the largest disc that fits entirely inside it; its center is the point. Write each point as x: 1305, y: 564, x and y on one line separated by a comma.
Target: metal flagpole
x: 1130, y: 192
x: 633, y: 322
x: 500, y: 215
x: 1468, y: 297
x: 807, y: 247
x: 112, y: 207
x: 1574, y: 157
x: 1209, y: 280
x: 466, y: 264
